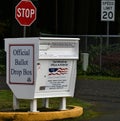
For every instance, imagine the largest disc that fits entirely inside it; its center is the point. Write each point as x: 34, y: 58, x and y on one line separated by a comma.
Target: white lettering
x: 25, y: 13
x: 18, y: 12
x: 32, y: 13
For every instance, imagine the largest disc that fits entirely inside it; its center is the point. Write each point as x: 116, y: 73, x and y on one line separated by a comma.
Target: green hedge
x: 110, y: 61
x: 2, y: 62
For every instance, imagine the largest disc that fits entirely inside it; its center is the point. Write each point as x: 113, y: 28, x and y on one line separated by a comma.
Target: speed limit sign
x: 107, y: 10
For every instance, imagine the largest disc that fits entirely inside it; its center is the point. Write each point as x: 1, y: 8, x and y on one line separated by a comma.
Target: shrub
x: 2, y: 62
x: 105, y: 61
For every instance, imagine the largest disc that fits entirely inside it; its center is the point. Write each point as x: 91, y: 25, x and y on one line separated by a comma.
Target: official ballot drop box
x: 42, y: 67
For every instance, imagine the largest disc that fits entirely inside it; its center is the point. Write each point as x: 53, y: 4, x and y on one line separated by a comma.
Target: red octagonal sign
x: 25, y: 12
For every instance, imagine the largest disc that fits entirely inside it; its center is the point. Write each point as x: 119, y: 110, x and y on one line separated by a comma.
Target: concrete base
x: 74, y: 111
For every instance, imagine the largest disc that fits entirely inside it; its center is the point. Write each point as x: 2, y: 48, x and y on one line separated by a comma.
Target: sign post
x: 25, y: 13
x: 107, y: 13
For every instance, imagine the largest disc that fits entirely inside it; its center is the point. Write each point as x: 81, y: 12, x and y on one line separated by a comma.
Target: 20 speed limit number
x: 107, y: 10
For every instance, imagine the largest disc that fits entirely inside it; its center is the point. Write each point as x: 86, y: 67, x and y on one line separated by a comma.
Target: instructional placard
x: 21, y: 63
x: 107, y: 10
x: 58, y: 75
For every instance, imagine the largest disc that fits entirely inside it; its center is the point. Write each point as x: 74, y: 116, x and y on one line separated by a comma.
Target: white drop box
x: 42, y: 67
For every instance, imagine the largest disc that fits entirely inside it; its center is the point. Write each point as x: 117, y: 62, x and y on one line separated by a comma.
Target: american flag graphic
x: 58, y: 71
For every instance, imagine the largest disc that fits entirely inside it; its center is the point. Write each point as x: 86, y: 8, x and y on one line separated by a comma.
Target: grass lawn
x: 6, y: 105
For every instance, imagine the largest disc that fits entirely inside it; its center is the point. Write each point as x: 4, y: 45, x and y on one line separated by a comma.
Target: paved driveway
x: 3, y: 84
x: 105, y: 94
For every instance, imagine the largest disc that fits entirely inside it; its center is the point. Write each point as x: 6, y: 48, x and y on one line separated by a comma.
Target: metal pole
x: 86, y: 43
x: 63, y: 104
x: 101, y: 52
x: 107, y: 33
x: 33, y: 105
x: 56, y: 17
x: 24, y: 31
x: 15, y: 103
x: 45, y: 102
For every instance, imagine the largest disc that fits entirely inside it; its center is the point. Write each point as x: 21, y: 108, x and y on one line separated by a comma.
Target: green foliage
x: 2, y: 62
x: 2, y: 69
x: 3, y: 28
x: 5, y: 99
x: 103, y: 61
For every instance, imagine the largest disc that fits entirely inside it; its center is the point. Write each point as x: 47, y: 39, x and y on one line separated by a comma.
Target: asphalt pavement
x: 105, y: 94
x: 110, y: 111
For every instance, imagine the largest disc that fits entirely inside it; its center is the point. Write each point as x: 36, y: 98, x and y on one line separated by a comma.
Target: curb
x: 74, y: 111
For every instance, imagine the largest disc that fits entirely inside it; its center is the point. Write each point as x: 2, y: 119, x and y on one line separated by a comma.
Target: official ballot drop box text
x: 42, y: 67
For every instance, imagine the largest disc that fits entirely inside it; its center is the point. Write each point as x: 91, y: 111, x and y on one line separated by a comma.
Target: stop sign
x: 25, y: 12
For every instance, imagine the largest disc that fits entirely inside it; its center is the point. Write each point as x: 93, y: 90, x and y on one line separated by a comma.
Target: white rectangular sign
x: 107, y: 10
x: 59, y: 72
x: 21, y: 63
